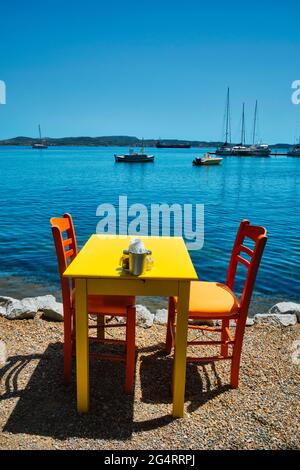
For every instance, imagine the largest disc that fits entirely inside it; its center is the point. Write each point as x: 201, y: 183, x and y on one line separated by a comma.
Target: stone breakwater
x: 283, y: 313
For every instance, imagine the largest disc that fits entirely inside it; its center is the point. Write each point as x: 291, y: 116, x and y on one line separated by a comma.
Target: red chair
x: 100, y: 305
x: 214, y: 301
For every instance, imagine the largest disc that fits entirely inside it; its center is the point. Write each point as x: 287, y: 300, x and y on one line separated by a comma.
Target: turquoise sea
x: 36, y: 185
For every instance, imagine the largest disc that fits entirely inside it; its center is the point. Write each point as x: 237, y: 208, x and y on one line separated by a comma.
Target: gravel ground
x: 38, y: 412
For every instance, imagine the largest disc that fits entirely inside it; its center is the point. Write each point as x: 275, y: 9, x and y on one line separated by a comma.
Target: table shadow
x: 203, y: 382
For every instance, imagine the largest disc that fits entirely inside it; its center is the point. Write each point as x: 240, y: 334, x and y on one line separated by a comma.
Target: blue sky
x: 148, y: 68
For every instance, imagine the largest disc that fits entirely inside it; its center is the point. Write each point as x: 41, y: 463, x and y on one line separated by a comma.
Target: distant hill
x: 112, y: 141
x: 104, y: 141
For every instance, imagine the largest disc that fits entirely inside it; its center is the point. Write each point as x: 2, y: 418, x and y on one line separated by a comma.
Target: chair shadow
x: 156, y: 381
x: 47, y: 407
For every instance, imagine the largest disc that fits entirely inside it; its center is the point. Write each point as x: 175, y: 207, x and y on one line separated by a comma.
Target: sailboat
x: 225, y: 148
x: 294, y: 151
x: 41, y: 144
x: 258, y: 150
x: 242, y: 150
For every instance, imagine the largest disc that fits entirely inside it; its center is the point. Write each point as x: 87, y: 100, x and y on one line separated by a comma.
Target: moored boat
x: 134, y: 157
x: 41, y: 144
x: 294, y: 151
x: 242, y: 150
x: 258, y: 149
x: 207, y: 160
x: 225, y: 148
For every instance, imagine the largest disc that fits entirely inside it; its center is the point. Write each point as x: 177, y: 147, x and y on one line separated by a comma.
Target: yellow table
x: 96, y: 271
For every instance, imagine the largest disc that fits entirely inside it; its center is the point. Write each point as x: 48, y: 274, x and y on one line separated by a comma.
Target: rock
x: 4, y: 301
x: 286, y: 308
x: 28, y: 307
x: 276, y: 319
x: 51, y: 309
x: 250, y: 321
x: 161, y: 316
x: 3, y: 353
x: 144, y: 317
x: 2, y: 311
x: 19, y: 309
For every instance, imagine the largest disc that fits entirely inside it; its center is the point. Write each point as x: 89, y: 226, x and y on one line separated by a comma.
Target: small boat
x: 224, y: 150
x: 207, y: 160
x: 134, y: 157
x: 260, y: 150
x: 41, y: 144
x: 294, y: 151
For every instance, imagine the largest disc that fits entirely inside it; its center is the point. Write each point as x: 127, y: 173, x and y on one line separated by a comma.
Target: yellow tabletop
x: 100, y: 257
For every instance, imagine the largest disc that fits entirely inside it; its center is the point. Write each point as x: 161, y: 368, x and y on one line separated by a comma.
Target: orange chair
x: 214, y: 301
x: 100, y: 305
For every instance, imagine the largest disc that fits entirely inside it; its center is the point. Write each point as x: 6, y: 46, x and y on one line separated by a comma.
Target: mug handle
x: 124, y: 261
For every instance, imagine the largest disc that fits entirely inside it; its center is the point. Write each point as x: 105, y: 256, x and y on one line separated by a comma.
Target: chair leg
x: 130, y: 350
x: 224, y: 347
x: 170, y: 326
x: 67, y: 347
x: 236, y: 354
x: 101, y: 326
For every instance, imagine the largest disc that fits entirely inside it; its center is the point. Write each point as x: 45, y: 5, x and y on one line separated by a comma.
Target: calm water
x: 36, y: 185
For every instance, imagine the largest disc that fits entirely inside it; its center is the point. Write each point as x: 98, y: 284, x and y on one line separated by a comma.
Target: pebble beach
x: 39, y: 412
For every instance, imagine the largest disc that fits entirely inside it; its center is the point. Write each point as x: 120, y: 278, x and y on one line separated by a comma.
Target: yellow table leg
x: 82, y: 346
x: 180, y: 349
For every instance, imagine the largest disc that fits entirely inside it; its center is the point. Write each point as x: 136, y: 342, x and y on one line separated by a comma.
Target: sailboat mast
x: 243, y: 126
x: 254, y: 123
x: 40, y: 134
x: 227, y: 132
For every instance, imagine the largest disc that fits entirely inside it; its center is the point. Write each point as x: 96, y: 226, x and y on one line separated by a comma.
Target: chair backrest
x: 66, y: 249
x: 258, y: 235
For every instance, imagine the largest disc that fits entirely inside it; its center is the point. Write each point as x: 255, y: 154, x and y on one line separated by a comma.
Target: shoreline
x: 19, y: 288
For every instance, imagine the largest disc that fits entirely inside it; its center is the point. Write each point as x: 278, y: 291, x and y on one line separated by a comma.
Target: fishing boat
x: 225, y: 148
x: 134, y: 157
x: 41, y: 144
x: 207, y: 159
